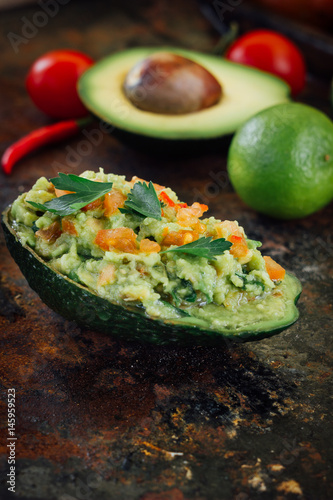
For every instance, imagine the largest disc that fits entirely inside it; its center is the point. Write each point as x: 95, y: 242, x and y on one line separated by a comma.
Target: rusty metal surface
x: 101, y: 419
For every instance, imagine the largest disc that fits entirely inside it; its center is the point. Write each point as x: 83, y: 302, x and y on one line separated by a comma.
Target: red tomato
x: 271, y: 52
x: 51, y: 83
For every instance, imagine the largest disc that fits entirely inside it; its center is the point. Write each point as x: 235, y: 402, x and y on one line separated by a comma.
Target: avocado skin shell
x: 75, y: 302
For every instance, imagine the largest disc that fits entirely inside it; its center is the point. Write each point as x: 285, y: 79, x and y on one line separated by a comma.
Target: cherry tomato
x: 271, y: 52
x: 51, y: 83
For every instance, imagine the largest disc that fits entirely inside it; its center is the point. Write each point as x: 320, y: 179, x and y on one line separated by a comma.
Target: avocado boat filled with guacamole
x: 130, y: 259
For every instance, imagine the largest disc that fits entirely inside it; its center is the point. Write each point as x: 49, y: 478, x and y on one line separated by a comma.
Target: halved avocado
x: 246, y: 91
x: 76, y: 302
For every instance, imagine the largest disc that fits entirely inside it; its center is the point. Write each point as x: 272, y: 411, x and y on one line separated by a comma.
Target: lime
x: 280, y: 161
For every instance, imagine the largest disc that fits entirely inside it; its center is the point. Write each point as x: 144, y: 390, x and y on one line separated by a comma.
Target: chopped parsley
x: 84, y: 191
x: 203, y: 247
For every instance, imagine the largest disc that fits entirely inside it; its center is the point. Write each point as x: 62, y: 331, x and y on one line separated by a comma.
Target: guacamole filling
x: 129, y: 259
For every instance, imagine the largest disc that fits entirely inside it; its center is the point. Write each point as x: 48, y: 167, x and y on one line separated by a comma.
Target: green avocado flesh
x: 246, y: 91
x: 155, y: 298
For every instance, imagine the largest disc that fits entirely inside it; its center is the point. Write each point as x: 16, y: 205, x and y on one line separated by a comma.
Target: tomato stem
x: 226, y: 39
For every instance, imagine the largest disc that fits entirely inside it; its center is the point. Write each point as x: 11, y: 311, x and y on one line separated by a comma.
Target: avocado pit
x: 168, y: 83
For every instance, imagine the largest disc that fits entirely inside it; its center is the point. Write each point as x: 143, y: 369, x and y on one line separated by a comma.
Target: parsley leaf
x: 84, y: 191
x: 247, y: 281
x: 182, y: 312
x: 203, y: 247
x: 143, y: 201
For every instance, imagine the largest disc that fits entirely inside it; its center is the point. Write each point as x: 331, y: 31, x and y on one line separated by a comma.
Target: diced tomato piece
x: 68, y: 226
x: 198, y: 209
x: 107, y: 275
x: 189, y: 216
x: 166, y: 199
x: 158, y: 187
x: 190, y: 236
x: 112, y: 201
x: 203, y: 208
x: 50, y: 233
x: 179, y: 238
x: 121, y: 238
x: 235, y: 239
x: 173, y: 238
x: 275, y: 271
x: 149, y: 246
x: 181, y: 205
x: 61, y: 192
x: 239, y: 247
x: 226, y: 228
x: 200, y: 227
x: 93, y: 205
x: 186, y: 217
x: 135, y: 179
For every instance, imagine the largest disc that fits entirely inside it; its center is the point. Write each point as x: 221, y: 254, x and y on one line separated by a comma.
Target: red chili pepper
x: 38, y: 138
x: 166, y: 199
